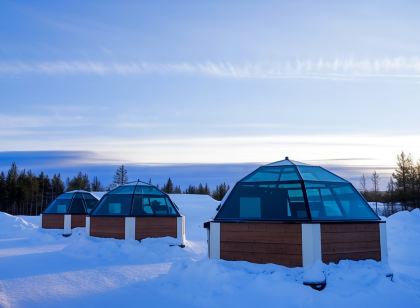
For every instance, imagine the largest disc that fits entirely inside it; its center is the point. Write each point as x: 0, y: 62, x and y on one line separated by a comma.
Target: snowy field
x: 40, y: 268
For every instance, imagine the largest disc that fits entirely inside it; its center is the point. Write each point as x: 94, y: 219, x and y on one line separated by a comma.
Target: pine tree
x: 375, y: 186
x: 402, y: 176
x: 363, y: 186
x: 81, y: 181
x: 11, y: 191
x: 220, y: 191
x: 391, y: 195
x: 96, y: 185
x: 120, y: 177
x: 168, y: 187
x: 3, y: 194
x: 57, y: 186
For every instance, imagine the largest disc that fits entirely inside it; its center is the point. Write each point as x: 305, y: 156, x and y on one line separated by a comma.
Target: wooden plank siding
x: 353, y: 241
x: 53, y: 221
x: 113, y: 227
x: 78, y: 221
x: 262, y: 242
x: 155, y: 227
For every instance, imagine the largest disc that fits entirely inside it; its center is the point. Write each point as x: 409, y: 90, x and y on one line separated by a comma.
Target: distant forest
x: 24, y: 193
x: 403, y: 188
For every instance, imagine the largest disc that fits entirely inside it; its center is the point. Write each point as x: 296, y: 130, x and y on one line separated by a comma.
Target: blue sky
x: 331, y: 82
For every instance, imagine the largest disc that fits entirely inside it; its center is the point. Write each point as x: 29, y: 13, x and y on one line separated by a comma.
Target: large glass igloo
x: 136, y: 211
x: 294, y: 214
x: 289, y: 190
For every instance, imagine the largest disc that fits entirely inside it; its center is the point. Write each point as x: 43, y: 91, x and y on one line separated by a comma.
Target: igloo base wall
x: 137, y: 228
x: 155, y: 227
x: 289, y: 244
x: 353, y: 241
x: 52, y: 221
x: 262, y: 243
x: 110, y: 227
x: 78, y: 221
x: 58, y: 221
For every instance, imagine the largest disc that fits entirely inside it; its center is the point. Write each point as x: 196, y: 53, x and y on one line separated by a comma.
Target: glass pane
x: 114, y: 205
x: 250, y: 207
x: 65, y: 196
x: 125, y: 189
x: 312, y: 173
x: 273, y: 174
x: 90, y: 201
x: 77, y: 205
x: 147, y: 190
x: 260, y: 202
x: 152, y: 206
x: 334, y: 201
x: 58, y: 206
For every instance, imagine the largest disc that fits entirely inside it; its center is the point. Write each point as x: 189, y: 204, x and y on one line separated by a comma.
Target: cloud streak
x: 336, y: 69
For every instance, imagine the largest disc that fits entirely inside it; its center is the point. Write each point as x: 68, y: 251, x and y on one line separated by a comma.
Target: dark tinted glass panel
x: 128, y: 189
x: 114, y: 205
x: 90, y: 201
x: 334, y: 201
x: 273, y: 174
x: 153, y: 206
x: 58, y: 206
x: 77, y: 205
x: 264, y: 202
x: 312, y: 173
x: 65, y: 196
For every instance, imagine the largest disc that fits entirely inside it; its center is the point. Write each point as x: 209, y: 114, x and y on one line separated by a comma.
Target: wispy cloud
x: 339, y: 69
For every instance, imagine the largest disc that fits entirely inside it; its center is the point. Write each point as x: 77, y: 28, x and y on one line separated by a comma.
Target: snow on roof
x: 97, y: 194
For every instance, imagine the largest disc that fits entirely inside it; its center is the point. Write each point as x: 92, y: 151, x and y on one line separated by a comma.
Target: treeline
x: 24, y: 193
x: 403, y: 187
x: 202, y: 189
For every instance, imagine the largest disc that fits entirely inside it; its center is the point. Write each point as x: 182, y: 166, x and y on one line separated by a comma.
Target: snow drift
x: 40, y: 268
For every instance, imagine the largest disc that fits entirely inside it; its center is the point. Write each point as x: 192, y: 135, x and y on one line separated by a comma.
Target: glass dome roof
x: 136, y: 199
x: 289, y: 190
x: 72, y: 202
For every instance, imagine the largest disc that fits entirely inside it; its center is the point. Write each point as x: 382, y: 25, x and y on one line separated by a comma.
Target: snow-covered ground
x: 384, y: 209
x: 40, y: 268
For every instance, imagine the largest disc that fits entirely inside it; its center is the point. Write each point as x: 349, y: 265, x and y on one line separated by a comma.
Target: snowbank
x: 40, y: 268
x: 13, y: 225
x: 197, y: 210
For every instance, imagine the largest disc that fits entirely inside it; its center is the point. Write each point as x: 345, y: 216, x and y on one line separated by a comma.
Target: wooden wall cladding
x: 113, y: 227
x: 78, y: 221
x: 53, y: 221
x: 155, y: 227
x: 277, y: 243
x: 353, y: 241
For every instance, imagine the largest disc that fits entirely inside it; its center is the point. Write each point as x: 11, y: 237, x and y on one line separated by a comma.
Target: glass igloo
x: 73, y: 202
x: 136, y: 199
x: 137, y: 211
x: 293, y: 214
x: 69, y: 210
x: 290, y: 190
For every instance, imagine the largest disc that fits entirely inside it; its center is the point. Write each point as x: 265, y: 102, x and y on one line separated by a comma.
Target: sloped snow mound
x: 406, y: 218
x: 12, y: 225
